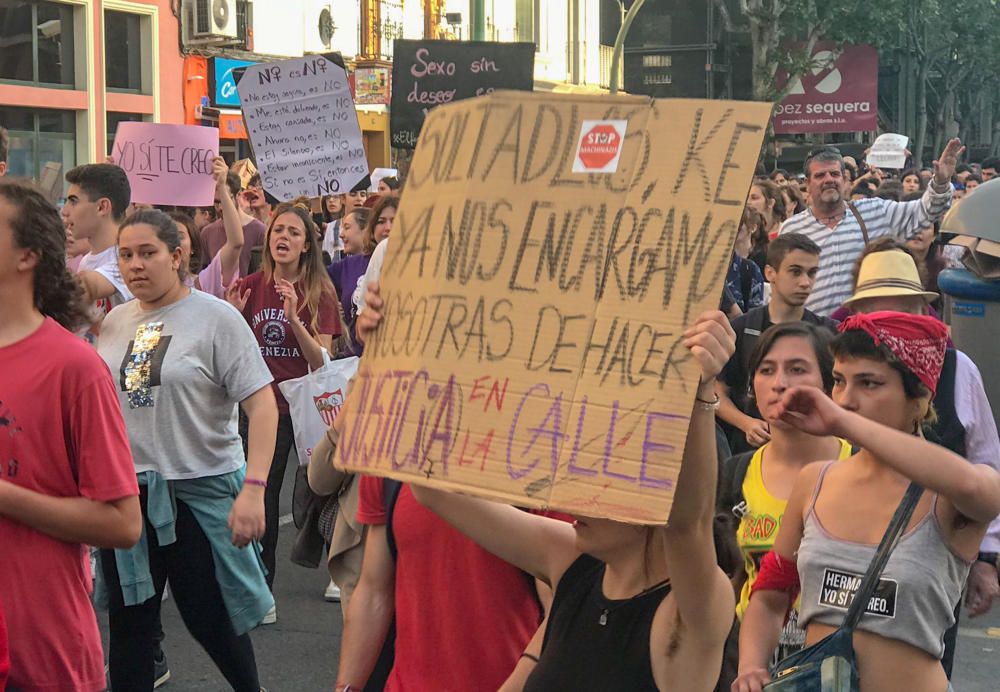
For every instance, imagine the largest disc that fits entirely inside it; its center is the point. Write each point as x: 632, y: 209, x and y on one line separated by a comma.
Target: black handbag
x: 829, y: 664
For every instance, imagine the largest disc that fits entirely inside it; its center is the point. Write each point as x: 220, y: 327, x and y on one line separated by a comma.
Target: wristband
x: 255, y: 481
x: 703, y: 405
x: 531, y: 657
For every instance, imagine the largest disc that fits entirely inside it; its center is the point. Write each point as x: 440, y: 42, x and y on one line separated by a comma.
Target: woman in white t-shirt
x: 185, y: 362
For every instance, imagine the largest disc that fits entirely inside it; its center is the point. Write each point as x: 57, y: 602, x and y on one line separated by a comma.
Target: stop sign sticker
x: 600, y: 146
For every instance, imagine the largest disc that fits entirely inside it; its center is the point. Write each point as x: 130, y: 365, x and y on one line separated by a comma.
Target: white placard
x: 301, y: 120
x: 888, y: 151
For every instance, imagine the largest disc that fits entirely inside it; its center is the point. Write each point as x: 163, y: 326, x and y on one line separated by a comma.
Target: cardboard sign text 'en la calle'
x: 530, y: 349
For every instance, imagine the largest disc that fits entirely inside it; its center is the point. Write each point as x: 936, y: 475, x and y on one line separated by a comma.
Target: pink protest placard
x: 168, y: 164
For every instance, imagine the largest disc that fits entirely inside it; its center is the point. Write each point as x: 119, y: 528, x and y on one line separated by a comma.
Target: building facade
x: 71, y: 70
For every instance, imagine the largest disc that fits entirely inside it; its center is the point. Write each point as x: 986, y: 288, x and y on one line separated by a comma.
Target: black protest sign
x: 426, y: 74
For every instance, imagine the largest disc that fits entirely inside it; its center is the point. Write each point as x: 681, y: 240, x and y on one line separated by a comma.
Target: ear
x: 104, y: 207
x: 770, y: 273
x: 27, y: 260
x: 176, y: 259
x: 3, y: 168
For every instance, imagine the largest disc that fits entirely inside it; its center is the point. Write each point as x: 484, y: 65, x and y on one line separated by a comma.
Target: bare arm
x: 112, y: 524
x: 229, y: 254
x: 247, y: 516
x: 312, y: 346
x: 526, y: 664
x: 765, y: 616
x: 757, y: 431
x: 95, y: 286
x: 974, y: 489
x: 703, y: 594
x: 540, y: 546
x: 369, y: 613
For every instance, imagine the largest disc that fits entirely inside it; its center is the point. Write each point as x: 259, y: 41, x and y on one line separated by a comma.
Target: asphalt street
x: 299, y: 652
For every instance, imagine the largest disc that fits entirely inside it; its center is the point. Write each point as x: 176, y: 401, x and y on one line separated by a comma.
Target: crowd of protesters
x: 159, y: 441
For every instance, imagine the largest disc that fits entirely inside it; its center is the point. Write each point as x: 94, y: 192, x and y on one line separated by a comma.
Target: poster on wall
x: 371, y: 85
x: 429, y: 73
x: 839, y: 94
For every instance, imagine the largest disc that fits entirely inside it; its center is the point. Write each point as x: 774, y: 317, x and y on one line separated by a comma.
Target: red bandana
x: 918, y: 341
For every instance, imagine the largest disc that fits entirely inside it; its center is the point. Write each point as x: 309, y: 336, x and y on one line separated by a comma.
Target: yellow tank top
x: 759, y: 526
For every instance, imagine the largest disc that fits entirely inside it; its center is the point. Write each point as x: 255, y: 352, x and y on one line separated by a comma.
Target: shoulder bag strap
x: 861, y: 221
x: 896, y: 527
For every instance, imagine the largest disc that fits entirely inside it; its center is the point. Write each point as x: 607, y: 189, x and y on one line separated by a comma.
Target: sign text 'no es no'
x: 530, y: 347
x: 303, y: 126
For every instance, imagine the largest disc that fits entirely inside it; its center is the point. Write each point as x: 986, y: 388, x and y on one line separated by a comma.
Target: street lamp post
x: 616, y: 53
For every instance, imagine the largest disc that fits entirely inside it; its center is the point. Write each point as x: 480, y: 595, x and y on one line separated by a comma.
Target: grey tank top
x: 916, y: 596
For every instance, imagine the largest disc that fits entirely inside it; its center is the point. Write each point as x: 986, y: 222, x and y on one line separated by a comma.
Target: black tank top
x: 579, y: 653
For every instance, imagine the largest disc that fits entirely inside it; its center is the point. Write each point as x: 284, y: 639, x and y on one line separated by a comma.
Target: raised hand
x: 235, y: 297
x: 810, y: 410
x: 220, y: 171
x: 711, y: 341
x: 944, y: 167
x: 286, y: 289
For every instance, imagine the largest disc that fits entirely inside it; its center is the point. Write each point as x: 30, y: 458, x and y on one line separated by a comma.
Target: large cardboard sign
x: 530, y: 349
x: 303, y: 127
x: 840, y: 94
x: 426, y: 74
x: 167, y: 164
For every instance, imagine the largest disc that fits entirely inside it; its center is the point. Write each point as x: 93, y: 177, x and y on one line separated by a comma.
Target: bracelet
x: 255, y: 481
x: 703, y: 405
x: 530, y: 656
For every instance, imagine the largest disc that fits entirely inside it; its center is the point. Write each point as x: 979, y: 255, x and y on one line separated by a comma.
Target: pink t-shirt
x: 61, y: 434
x: 210, y: 279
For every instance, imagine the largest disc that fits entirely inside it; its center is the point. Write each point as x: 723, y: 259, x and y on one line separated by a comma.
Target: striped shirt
x: 841, y: 246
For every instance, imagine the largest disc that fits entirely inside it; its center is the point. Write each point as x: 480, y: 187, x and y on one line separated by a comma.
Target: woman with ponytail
x: 291, y: 307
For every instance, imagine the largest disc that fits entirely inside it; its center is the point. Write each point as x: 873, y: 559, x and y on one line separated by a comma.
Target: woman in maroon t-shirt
x: 291, y: 306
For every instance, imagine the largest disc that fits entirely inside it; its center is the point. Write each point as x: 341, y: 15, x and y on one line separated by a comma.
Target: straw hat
x: 889, y: 274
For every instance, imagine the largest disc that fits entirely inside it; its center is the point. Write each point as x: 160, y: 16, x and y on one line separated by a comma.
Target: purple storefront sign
x: 841, y: 96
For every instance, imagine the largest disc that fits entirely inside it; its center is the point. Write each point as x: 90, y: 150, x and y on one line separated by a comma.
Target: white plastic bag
x: 314, y: 401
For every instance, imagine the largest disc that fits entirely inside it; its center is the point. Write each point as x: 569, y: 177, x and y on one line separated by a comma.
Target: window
x: 37, y: 42
x: 657, y: 78
x: 38, y: 136
x: 123, y: 51
x: 114, y: 119
x: 656, y: 61
x: 526, y: 13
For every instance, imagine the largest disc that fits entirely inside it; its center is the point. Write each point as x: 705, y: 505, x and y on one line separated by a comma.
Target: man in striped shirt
x: 832, y: 222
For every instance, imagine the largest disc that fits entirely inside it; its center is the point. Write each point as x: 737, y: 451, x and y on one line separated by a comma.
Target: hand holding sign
x: 888, y: 151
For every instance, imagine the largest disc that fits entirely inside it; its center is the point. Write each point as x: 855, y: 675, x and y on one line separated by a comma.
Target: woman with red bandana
x: 886, y: 368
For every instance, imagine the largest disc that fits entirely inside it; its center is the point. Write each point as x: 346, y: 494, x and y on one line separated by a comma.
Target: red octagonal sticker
x: 600, y: 146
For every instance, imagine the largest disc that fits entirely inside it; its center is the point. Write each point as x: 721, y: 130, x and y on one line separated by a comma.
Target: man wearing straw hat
x: 887, y: 279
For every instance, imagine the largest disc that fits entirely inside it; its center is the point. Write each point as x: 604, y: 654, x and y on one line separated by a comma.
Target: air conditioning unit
x: 210, y: 22
x: 318, y: 27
